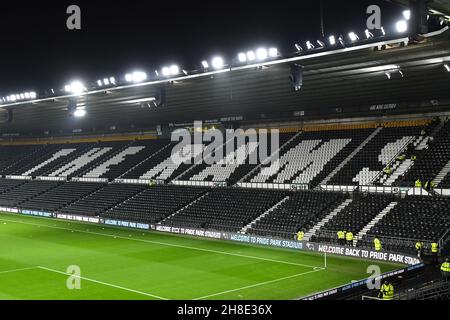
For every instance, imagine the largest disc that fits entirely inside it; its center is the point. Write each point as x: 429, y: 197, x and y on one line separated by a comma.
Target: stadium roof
x: 340, y: 81
x: 442, y: 6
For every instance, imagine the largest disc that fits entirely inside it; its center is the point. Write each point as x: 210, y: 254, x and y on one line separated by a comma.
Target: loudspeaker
x: 72, y: 105
x: 6, y: 115
x: 296, y: 77
x: 161, y: 97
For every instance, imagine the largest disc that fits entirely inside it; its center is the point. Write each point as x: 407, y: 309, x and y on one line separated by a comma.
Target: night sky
x: 39, y: 53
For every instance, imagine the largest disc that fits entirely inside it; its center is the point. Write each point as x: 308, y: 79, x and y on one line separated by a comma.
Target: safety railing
x: 200, y: 183
x: 274, y: 186
x: 386, y: 241
x: 437, y: 290
x: 444, y: 239
x: 398, y: 242
x: 380, y: 189
x: 389, y: 164
x: 273, y: 234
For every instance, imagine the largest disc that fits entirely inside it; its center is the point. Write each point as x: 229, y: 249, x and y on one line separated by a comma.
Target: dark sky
x: 38, y: 52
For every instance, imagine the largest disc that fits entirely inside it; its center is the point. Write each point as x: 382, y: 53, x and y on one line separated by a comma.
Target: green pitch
x: 117, y: 263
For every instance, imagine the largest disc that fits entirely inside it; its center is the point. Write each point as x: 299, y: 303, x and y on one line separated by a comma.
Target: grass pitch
x: 117, y: 263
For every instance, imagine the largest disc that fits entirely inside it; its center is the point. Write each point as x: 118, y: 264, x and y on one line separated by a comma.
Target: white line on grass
x: 162, y: 243
x: 258, y: 284
x: 103, y: 283
x: 17, y: 270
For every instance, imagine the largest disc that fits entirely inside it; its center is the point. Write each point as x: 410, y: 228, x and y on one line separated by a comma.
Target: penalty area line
x: 259, y: 284
x: 102, y: 283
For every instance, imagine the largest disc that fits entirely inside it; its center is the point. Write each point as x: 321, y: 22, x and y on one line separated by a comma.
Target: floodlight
x: 273, y: 52
x: 309, y: 45
x: 251, y: 55
x: 165, y: 71
x: 79, y: 113
x: 136, y: 76
x: 332, y: 40
x: 76, y: 87
x: 447, y: 67
x: 217, y: 62
x: 174, y: 70
x: 401, y: 26
x: 353, y: 36
x: 242, y: 57
x: 368, y: 34
x: 261, y: 54
x: 407, y: 14
x: 205, y: 64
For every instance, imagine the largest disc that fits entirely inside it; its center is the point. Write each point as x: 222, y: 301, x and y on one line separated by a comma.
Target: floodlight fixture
x: 217, y: 62
x: 401, y: 26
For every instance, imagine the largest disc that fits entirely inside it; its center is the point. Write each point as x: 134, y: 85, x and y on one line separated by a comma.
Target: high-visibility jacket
x: 341, y: 235
x: 349, y: 236
x: 401, y: 157
x: 434, y: 247
x: 418, y: 183
x: 419, y: 246
x: 300, y: 235
x: 377, y: 244
x: 387, y: 170
x: 387, y: 291
x: 445, y: 267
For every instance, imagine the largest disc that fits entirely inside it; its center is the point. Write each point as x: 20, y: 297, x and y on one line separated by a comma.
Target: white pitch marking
x: 17, y: 270
x: 103, y: 283
x: 165, y: 244
x: 257, y: 284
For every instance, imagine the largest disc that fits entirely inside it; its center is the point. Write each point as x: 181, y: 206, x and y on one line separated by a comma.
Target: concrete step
x: 313, y: 231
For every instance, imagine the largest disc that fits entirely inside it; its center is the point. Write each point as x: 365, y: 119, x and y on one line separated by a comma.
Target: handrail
x: 424, y: 290
x: 442, y: 241
x: 393, y: 159
x: 332, y: 234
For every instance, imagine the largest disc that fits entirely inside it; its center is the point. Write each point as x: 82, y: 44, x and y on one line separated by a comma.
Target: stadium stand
x: 228, y: 209
x: 103, y: 199
x: 341, y: 155
x: 61, y: 196
x: 155, y: 203
x: 24, y: 192
x: 127, y: 158
x: 353, y: 218
x: 367, y: 164
x: 413, y: 218
x: 7, y: 184
x: 13, y: 155
x: 227, y: 169
x: 161, y: 166
x: 301, y: 211
x: 432, y: 162
x: 325, y: 149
